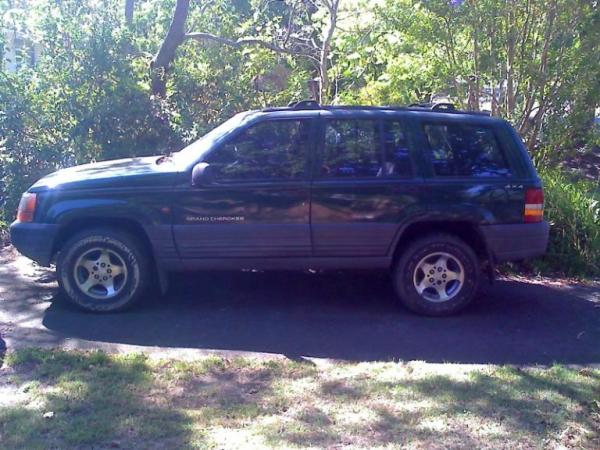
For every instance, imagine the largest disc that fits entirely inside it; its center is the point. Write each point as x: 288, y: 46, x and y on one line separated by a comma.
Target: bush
x: 86, y: 99
x: 573, y: 210
x: 3, y: 233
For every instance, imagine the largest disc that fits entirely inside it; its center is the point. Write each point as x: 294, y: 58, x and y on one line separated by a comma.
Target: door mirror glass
x: 202, y: 174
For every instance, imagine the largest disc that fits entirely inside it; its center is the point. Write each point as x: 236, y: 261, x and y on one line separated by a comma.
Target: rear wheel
x: 437, y: 275
x: 103, y: 269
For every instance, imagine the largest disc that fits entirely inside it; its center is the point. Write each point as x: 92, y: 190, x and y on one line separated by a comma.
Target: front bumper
x: 513, y: 242
x: 34, y: 240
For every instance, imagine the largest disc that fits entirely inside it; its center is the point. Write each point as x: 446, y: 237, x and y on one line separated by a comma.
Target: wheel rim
x: 100, y: 273
x: 439, y: 277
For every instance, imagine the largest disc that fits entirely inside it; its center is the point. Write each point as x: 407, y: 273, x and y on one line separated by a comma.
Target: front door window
x: 273, y: 150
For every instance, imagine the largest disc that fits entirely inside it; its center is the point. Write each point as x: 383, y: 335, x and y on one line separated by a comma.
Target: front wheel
x: 102, y: 270
x: 437, y: 275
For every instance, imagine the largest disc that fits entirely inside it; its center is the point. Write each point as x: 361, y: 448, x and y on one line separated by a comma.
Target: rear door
x: 258, y: 204
x: 364, y: 183
x: 471, y: 173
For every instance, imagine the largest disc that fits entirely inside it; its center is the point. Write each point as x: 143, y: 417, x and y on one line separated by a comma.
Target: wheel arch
x: 467, y: 231
x: 77, y: 225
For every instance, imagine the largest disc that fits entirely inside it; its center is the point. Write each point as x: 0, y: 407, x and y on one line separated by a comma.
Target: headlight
x: 26, y: 209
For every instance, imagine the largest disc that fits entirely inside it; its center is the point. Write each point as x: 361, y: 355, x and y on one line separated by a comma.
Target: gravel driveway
x: 342, y: 316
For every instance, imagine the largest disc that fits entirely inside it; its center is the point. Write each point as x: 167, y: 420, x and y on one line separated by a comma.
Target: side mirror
x: 202, y: 174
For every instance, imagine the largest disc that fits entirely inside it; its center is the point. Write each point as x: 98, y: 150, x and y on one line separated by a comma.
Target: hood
x: 130, y: 172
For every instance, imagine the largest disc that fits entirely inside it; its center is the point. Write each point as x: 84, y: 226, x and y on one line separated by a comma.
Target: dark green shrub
x: 573, y: 210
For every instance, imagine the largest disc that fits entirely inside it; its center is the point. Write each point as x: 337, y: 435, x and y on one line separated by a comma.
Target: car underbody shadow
x: 348, y: 316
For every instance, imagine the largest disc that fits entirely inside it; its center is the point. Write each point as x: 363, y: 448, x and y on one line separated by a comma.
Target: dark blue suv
x: 435, y: 195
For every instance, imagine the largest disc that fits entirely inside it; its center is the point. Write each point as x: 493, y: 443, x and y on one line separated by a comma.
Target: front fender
x: 63, y: 212
x: 146, y: 214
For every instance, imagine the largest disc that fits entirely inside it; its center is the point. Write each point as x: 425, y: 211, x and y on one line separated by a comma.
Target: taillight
x: 534, y: 205
x: 26, y: 207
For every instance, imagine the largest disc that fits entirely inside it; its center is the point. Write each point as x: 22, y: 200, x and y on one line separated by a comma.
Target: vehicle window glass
x: 265, y: 151
x: 352, y: 149
x: 396, y: 151
x: 465, y: 150
x: 195, y: 151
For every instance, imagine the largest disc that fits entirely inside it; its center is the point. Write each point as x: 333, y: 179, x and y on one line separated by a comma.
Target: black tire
x: 125, y: 246
x: 404, y: 275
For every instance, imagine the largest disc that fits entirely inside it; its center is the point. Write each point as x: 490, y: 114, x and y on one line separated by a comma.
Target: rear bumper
x: 516, y: 241
x: 34, y: 240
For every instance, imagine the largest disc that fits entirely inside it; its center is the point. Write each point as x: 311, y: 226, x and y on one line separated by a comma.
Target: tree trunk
x: 539, y: 83
x: 129, y: 6
x: 474, y: 82
x: 166, y: 54
x: 510, y: 63
x: 326, y: 49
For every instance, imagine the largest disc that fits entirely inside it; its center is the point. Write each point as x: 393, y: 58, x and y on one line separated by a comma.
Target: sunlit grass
x: 101, y: 400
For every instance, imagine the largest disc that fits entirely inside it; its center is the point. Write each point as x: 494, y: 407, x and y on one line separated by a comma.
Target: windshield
x: 195, y: 151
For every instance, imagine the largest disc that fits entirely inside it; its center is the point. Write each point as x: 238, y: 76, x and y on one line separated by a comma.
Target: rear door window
x: 364, y: 148
x: 396, y: 153
x: 352, y: 149
x: 462, y: 150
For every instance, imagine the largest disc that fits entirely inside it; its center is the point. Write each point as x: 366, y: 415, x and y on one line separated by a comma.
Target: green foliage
x: 573, y: 210
x: 533, y: 62
x: 3, y: 232
x: 86, y: 99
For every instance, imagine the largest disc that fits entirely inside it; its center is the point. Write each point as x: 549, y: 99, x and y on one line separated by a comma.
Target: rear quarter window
x: 465, y: 150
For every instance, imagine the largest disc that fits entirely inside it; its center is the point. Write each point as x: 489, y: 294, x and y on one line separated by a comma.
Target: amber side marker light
x: 534, y: 205
x: 26, y: 207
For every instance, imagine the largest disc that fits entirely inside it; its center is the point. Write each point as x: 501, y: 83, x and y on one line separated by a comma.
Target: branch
x: 245, y: 41
x: 289, y: 27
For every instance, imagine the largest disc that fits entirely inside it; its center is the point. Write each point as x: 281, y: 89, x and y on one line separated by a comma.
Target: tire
x: 452, y: 270
x: 92, y: 259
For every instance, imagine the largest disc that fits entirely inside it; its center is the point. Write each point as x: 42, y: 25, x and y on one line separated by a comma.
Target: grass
x: 101, y: 401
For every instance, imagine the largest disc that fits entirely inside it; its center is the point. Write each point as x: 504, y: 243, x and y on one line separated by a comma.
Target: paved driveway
x: 348, y: 316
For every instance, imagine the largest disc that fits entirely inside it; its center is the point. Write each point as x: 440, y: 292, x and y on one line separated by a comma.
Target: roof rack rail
x: 304, y: 104
x: 442, y: 106
x: 447, y: 107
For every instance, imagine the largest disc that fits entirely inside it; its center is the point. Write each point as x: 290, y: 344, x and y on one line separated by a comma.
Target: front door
x: 259, y: 200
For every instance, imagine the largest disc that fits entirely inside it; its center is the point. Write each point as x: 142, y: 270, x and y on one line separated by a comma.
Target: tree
x: 525, y: 60
x: 294, y: 40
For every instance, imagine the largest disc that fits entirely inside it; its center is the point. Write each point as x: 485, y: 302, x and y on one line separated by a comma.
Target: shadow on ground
x: 348, y: 316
